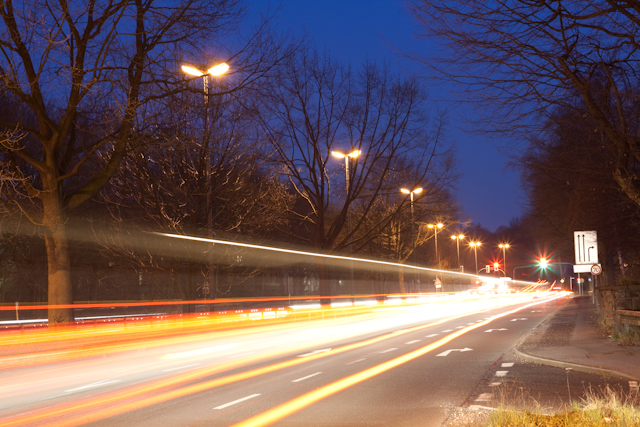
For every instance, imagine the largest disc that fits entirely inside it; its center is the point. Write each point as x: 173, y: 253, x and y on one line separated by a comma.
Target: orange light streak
x: 288, y: 408
x: 112, y: 399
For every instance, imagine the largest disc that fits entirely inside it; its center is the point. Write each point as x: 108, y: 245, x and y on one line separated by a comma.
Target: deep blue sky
x: 354, y: 31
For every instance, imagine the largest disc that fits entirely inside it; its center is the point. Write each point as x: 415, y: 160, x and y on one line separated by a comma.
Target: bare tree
x: 374, y: 122
x: 86, y: 75
x: 523, y: 59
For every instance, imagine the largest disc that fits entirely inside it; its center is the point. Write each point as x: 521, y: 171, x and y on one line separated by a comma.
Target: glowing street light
x: 504, y: 247
x: 457, y: 238
x: 435, y: 227
x: 543, y: 263
x: 411, y: 193
x: 346, y: 157
x: 216, y: 70
x: 475, y: 246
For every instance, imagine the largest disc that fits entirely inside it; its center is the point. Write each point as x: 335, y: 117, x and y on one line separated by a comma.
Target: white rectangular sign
x: 586, y: 246
x: 583, y: 268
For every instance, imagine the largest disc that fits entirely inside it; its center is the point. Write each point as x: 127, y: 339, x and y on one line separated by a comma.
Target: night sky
x: 354, y: 31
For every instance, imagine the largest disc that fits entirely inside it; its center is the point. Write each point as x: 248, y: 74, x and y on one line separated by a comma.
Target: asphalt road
x: 396, y: 366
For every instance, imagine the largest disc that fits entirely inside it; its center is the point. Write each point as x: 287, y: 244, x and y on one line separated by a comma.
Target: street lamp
x: 435, y: 228
x: 216, y: 70
x: 413, y: 238
x: 411, y: 193
x: 504, y: 247
x: 475, y: 246
x: 457, y: 238
x: 346, y: 156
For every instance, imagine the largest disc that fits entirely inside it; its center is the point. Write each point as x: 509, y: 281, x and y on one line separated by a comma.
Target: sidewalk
x: 571, y: 339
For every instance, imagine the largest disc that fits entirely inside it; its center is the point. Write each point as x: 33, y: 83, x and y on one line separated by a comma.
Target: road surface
x: 393, y: 366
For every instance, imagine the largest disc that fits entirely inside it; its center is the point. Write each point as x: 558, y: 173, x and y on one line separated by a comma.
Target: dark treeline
x: 559, y: 80
x: 105, y: 140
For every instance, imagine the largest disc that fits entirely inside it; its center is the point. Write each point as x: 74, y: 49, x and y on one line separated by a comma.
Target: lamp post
x: 435, y: 228
x: 411, y: 193
x: 216, y: 70
x: 475, y: 246
x: 413, y: 237
x: 504, y: 247
x: 457, y: 238
x: 346, y: 157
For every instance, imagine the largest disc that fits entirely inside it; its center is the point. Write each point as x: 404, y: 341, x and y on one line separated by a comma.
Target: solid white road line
x: 304, y: 378
x: 236, y: 401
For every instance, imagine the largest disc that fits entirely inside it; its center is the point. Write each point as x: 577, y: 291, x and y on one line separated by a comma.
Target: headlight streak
x: 118, y: 337
x: 115, y: 398
x: 288, y: 408
x: 319, y: 255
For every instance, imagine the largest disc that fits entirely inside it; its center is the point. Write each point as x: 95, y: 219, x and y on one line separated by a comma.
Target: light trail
x: 121, y: 401
x: 316, y: 255
x: 286, y: 409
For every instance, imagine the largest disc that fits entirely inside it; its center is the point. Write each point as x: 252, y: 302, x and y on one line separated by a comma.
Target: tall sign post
x: 586, y: 250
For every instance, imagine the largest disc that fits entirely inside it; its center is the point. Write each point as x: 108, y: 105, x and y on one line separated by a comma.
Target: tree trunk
x: 401, y: 280
x: 59, y: 266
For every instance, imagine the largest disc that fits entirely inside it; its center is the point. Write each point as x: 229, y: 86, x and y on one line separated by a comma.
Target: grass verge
x: 606, y: 408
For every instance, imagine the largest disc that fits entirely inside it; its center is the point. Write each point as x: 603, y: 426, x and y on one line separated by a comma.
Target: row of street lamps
x: 222, y: 68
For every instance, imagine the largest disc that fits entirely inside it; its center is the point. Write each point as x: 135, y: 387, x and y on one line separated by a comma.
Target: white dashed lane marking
x: 387, y: 351
x: 181, y: 367
x: 304, y: 378
x: 236, y: 401
x: 501, y: 373
x: 356, y: 361
x: 485, y: 397
x: 431, y: 336
x: 507, y: 365
x: 96, y: 384
x: 412, y: 342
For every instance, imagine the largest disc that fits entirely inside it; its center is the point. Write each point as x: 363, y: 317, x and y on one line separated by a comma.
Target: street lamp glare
x: 439, y: 225
x: 461, y: 236
x: 338, y: 154
x: 192, y: 71
x: 354, y: 153
x: 418, y: 190
x: 405, y: 191
x: 219, y: 69
x: 454, y: 237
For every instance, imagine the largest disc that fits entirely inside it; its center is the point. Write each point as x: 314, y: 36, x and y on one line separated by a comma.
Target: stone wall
x: 614, y: 298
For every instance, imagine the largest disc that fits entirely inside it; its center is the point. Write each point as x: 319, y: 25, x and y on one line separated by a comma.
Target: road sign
x: 438, y: 283
x: 596, y: 269
x: 586, y: 247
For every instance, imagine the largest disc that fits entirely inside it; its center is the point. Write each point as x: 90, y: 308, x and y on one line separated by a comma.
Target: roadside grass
x: 606, y: 408
x: 631, y: 338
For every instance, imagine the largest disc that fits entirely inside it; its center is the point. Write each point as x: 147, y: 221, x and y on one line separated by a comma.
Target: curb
x: 565, y: 365
x: 573, y: 366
